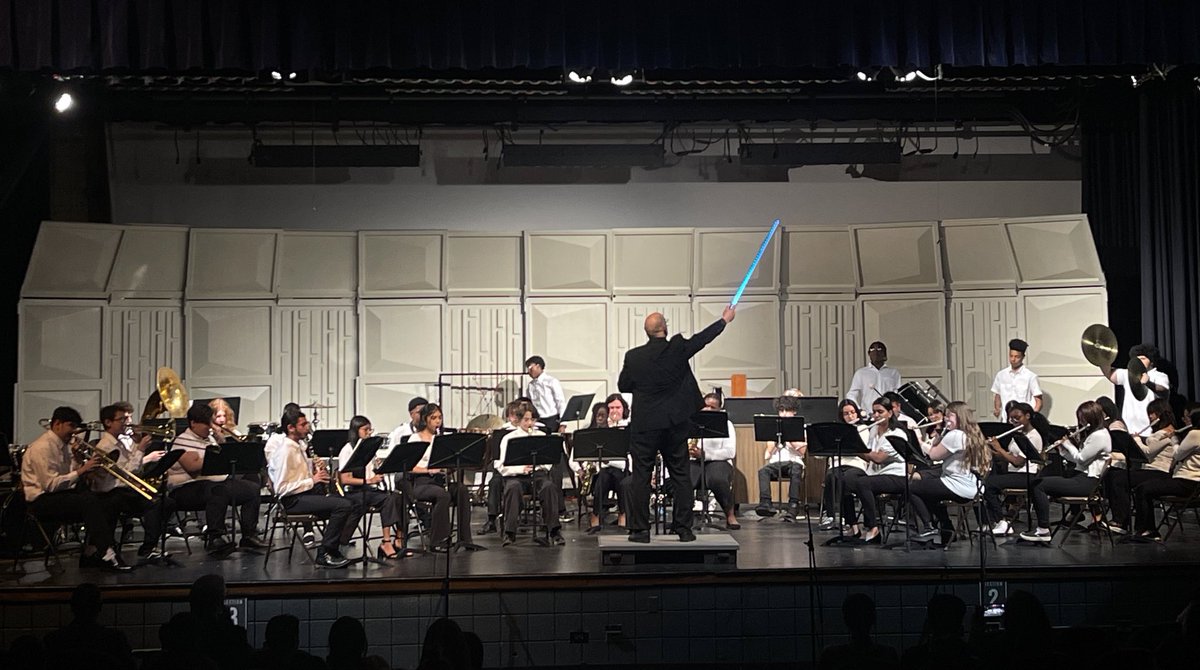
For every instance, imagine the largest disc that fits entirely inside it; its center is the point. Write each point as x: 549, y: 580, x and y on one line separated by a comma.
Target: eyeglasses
x: 874, y: 349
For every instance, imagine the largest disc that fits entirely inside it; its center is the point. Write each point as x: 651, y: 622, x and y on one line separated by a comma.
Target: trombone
x: 87, y: 451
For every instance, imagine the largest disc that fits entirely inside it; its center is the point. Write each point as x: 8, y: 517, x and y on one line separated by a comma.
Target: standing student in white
x: 965, y: 458
x: 546, y: 393
x: 1133, y: 410
x: 1016, y: 383
x: 873, y: 379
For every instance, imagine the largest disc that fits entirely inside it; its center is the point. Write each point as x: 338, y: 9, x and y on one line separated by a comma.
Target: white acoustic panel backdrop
x: 258, y: 404
x: 629, y: 320
x: 318, y: 357
x: 898, y: 257
x: 821, y: 342
x: 487, y: 340
x: 231, y: 263
x: 386, y: 403
x: 724, y: 255
x: 652, y: 261
x: 71, y: 260
x: 34, y: 405
x: 400, y: 264
x: 1054, y: 322
x: 61, y: 341
x: 317, y: 265
x: 980, y: 329
x: 912, y: 327
x: 749, y: 345
x: 569, y: 263
x: 482, y: 264
x: 151, y: 263
x: 978, y: 255
x: 570, y: 334
x: 401, y: 338
x: 819, y: 261
x: 229, y: 342
x: 1055, y: 251
x: 141, y: 339
x: 1061, y: 395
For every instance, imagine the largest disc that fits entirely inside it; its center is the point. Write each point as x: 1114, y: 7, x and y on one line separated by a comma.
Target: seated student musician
x: 609, y: 476
x: 718, y: 454
x: 782, y: 461
x: 302, y: 483
x: 49, y: 475
x: 886, y: 472
x: 965, y: 458
x: 1085, y: 453
x: 522, y: 479
x: 495, y: 483
x: 1183, y: 482
x: 842, y: 471
x: 1159, y: 449
x: 129, y: 456
x: 1017, y: 471
x: 618, y: 410
x: 193, y: 491
x: 431, y: 485
x: 366, y: 485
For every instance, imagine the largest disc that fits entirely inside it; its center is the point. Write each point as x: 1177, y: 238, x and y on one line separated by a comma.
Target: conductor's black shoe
x: 488, y: 527
x: 331, y: 559
x: 764, y: 509
x: 218, y: 545
x: 685, y: 534
x: 509, y: 538
x: 642, y: 536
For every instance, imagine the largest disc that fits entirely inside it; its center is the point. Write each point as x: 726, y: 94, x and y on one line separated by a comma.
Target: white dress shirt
x: 884, y: 379
x: 720, y: 448
x: 547, y: 395
x: 47, y: 466
x: 402, y: 431
x: 344, y: 458
x: 787, y: 454
x: 128, y: 458
x: 514, y: 470
x: 290, y: 469
x: 1133, y: 411
x: 1035, y: 438
x: 1092, y: 456
x: 894, y: 465
x: 1020, y: 385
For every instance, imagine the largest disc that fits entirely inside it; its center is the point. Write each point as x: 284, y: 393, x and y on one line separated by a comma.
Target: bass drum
x: 917, y: 401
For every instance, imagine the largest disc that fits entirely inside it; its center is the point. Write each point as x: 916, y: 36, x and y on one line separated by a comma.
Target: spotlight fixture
x: 863, y: 76
x: 580, y: 76
x: 64, y: 102
x: 624, y: 80
x: 277, y: 75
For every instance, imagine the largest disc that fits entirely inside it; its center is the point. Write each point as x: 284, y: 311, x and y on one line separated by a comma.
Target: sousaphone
x: 169, y: 397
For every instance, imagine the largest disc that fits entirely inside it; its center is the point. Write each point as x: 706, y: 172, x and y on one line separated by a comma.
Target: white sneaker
x: 1002, y: 528
x: 1042, y: 535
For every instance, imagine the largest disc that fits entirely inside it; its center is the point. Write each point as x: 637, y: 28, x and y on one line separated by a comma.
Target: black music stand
x: 779, y: 429
x: 834, y: 440
x: 363, y: 453
x: 152, y: 471
x: 916, y: 458
x: 326, y: 445
x: 1124, y: 444
x: 577, y: 407
x: 454, y: 453
x: 233, y: 459
x: 401, y: 460
x: 703, y: 425
x: 596, y: 445
x: 996, y: 429
x: 535, y: 450
x: 819, y: 409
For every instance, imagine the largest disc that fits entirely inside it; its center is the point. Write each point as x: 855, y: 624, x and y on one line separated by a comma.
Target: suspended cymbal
x: 170, y: 390
x: 1099, y: 345
x: 484, y: 423
x: 317, y: 405
x: 1136, y: 369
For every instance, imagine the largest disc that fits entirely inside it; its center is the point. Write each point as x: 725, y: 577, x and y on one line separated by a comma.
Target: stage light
x: 579, y: 77
x: 863, y: 76
x: 621, y: 81
x: 909, y: 76
x: 64, y: 102
x: 276, y: 75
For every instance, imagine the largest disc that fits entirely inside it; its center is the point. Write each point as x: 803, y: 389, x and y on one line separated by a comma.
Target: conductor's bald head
x: 656, y: 325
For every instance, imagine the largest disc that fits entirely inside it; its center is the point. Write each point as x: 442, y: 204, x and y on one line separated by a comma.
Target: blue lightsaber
x: 757, y: 257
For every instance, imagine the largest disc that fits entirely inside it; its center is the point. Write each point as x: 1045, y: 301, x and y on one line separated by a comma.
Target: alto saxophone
x: 587, y: 478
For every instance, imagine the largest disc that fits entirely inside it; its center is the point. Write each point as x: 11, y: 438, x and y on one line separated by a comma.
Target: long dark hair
x: 893, y: 421
x: 426, y: 412
x: 596, y: 408
x: 1091, y: 415
x: 842, y: 406
x: 356, y: 423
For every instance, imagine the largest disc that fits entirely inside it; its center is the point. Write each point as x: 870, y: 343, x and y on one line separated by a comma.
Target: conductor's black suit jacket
x: 664, y: 389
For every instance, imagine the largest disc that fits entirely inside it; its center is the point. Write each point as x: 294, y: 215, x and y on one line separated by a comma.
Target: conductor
x: 665, y: 395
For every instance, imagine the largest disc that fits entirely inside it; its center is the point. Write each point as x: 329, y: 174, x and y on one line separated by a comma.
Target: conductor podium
x: 712, y: 550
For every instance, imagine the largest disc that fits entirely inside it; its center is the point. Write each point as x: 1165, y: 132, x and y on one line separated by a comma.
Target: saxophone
x: 587, y: 479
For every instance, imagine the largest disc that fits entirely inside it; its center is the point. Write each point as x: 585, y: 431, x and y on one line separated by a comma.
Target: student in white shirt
x: 1159, y: 449
x: 1133, y: 410
x: 365, y: 484
x: 841, y: 472
x: 495, y: 483
x: 1184, y: 479
x: 618, y: 410
x: 408, y: 427
x: 718, y: 454
x: 295, y: 481
x: 431, y: 485
x: 965, y: 458
x: 1087, y: 456
x: 873, y: 379
x: 521, y: 479
x: 546, y: 393
x: 1017, y: 470
x: 610, y: 476
x: 885, y: 471
x: 129, y: 456
x: 784, y: 461
x: 1016, y: 383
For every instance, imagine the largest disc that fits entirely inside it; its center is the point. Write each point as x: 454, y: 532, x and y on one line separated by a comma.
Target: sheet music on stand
x: 577, y: 407
x: 709, y: 424
x: 599, y: 444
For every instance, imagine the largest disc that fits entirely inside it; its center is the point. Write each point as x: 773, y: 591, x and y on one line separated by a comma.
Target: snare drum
x: 916, y: 401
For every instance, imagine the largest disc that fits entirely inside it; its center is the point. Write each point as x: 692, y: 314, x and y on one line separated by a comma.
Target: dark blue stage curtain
x: 355, y: 35
x: 1141, y: 191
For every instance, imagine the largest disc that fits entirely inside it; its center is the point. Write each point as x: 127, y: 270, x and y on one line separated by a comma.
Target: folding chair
x: 1094, y: 500
x: 1176, y: 508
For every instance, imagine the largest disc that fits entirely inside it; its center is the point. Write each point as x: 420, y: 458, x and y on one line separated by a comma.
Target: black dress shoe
x: 252, y: 542
x: 557, y: 538
x: 509, y: 538
x: 218, y: 545
x: 488, y: 527
x: 592, y: 530
x: 331, y: 559
x: 470, y: 546
x: 114, y: 564
x: 685, y: 534
x: 641, y: 536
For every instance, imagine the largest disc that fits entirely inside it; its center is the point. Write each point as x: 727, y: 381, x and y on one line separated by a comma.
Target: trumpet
x: 86, y: 451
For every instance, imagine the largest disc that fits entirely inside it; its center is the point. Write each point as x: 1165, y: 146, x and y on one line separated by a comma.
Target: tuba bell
x: 169, y: 396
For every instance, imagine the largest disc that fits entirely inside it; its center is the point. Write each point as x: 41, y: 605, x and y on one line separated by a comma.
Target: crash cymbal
x: 1099, y: 345
x: 484, y: 423
x: 317, y: 405
x: 1136, y: 369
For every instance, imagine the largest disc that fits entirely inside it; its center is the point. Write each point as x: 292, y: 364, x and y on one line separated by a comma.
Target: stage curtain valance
x: 359, y: 35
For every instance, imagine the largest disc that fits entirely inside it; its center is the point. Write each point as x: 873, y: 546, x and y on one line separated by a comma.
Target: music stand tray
x: 709, y: 424
x: 598, y: 444
x: 769, y: 428
x: 327, y: 443
x: 234, y: 458
x: 534, y: 450
x: 833, y: 440
x: 819, y: 409
x: 1124, y: 444
x: 159, y: 468
x: 914, y: 457
x: 457, y: 451
x: 362, y: 454
x: 577, y: 407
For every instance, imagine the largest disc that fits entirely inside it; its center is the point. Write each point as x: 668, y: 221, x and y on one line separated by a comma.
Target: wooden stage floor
x: 770, y: 551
